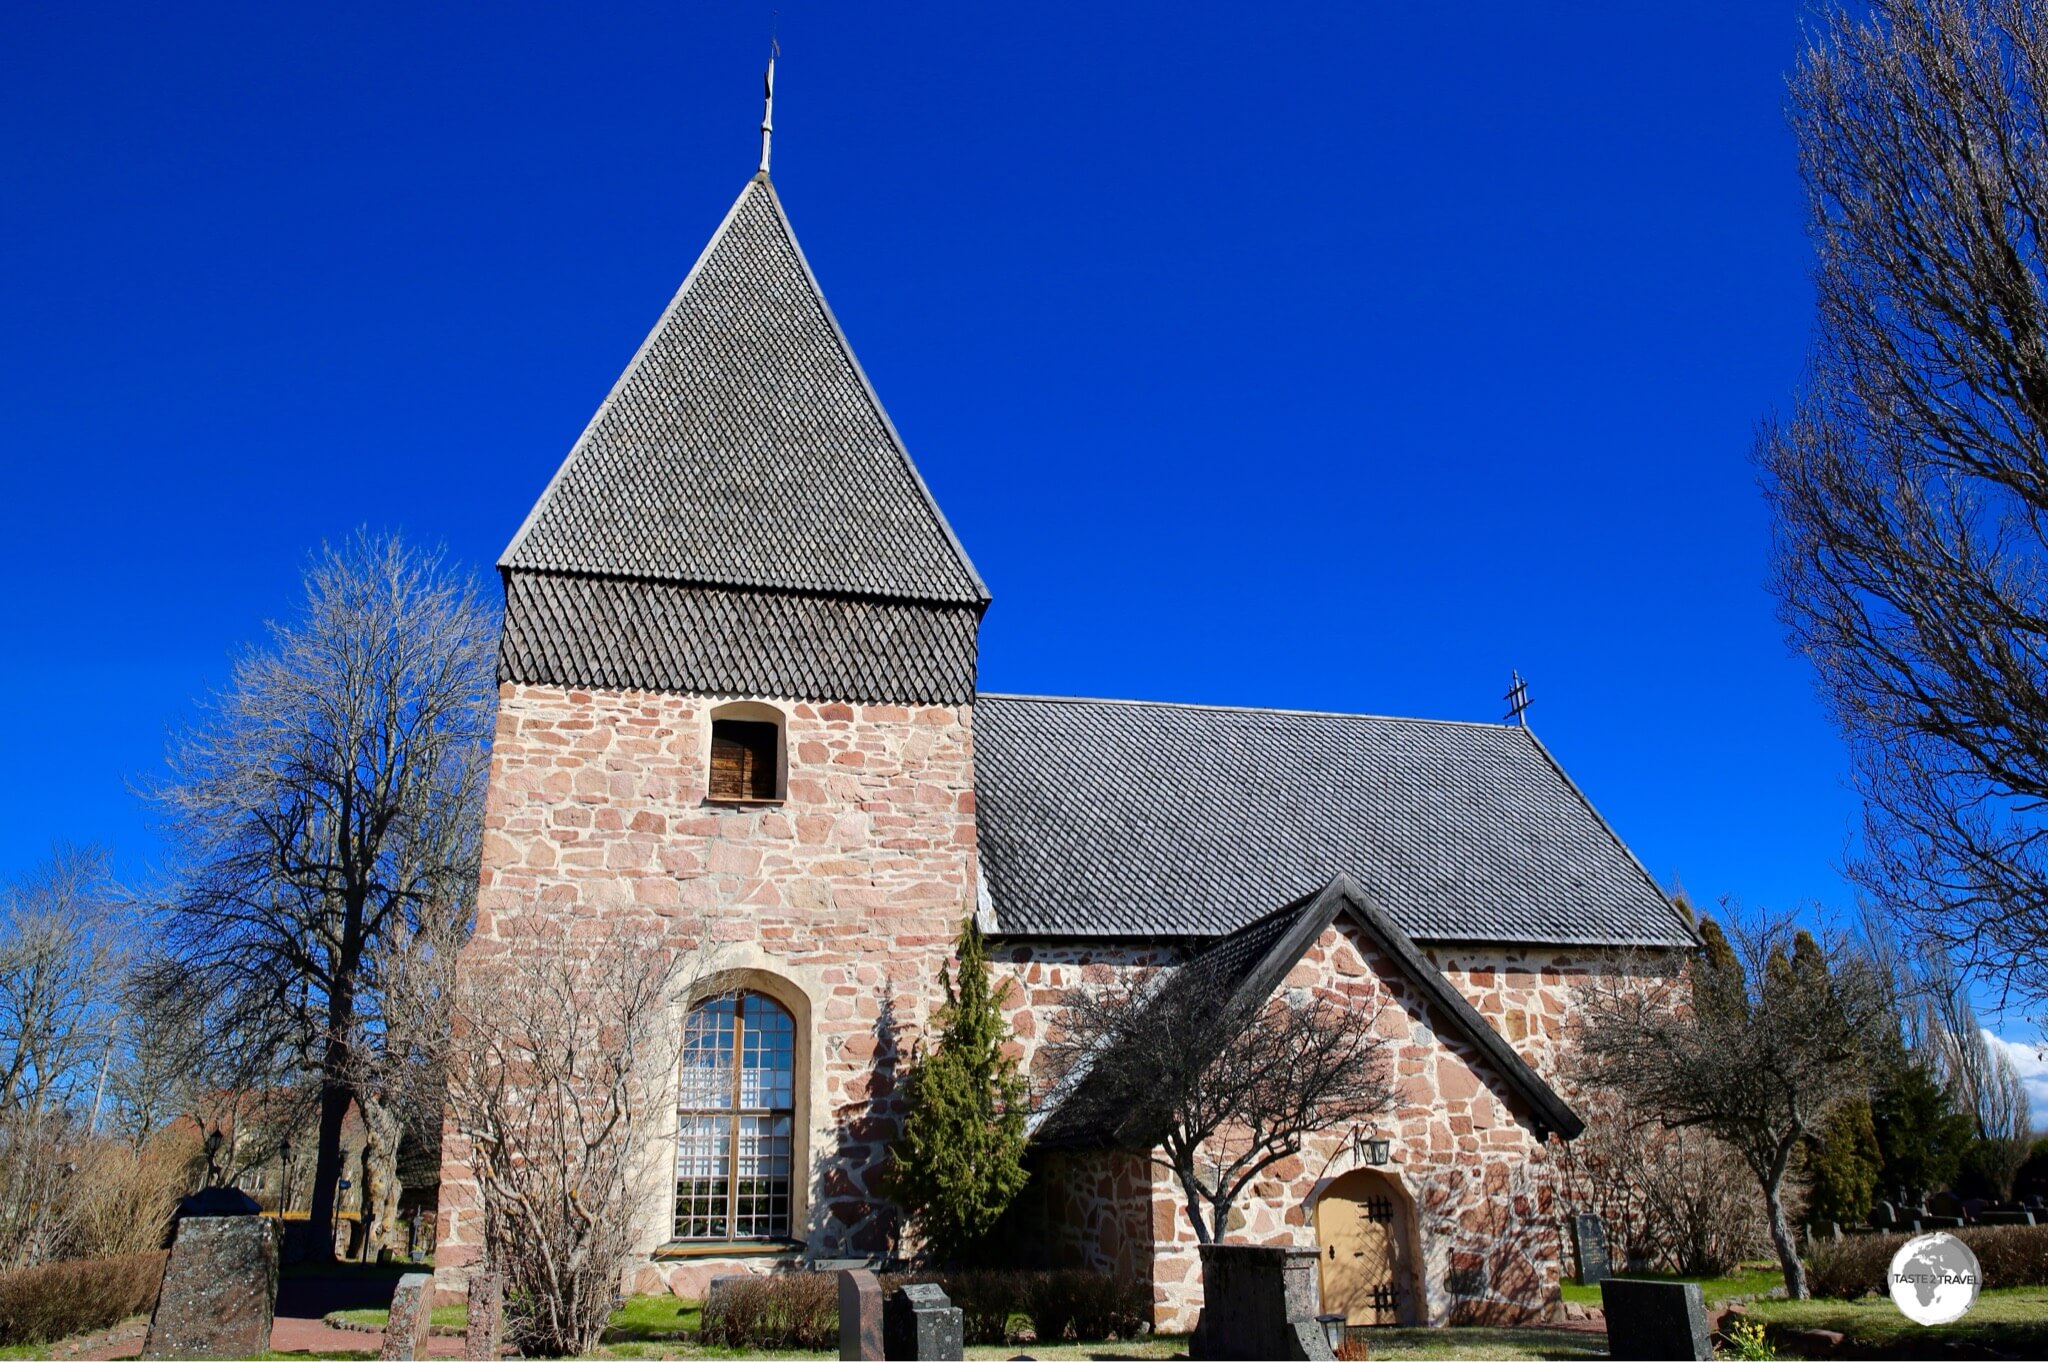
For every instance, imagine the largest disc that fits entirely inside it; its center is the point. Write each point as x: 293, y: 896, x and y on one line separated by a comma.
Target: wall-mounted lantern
x: 1371, y: 1150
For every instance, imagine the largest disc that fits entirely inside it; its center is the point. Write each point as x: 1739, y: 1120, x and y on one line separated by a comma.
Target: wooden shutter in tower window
x: 742, y: 759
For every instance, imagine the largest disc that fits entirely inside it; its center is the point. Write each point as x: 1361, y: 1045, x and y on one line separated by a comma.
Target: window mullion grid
x: 732, y: 1153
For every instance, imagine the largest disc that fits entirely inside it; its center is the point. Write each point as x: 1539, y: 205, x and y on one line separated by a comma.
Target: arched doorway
x: 1363, y: 1234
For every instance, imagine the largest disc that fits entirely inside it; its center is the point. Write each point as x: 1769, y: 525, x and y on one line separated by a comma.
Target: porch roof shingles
x: 1113, y: 818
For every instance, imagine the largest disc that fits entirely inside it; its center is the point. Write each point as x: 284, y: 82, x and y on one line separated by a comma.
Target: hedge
x: 800, y: 1310
x: 2010, y: 1255
x: 786, y: 1311
x: 57, y: 1300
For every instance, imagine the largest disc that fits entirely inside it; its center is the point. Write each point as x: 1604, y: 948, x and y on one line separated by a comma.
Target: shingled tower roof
x: 740, y: 514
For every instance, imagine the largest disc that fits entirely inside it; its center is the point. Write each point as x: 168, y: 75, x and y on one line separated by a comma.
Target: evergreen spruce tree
x: 1919, y: 1132
x: 1842, y: 1168
x: 960, y: 1159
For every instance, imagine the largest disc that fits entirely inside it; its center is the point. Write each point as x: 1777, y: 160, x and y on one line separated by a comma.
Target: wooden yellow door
x: 1357, y: 1231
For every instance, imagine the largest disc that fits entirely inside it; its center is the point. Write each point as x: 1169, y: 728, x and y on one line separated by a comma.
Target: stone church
x: 738, y: 702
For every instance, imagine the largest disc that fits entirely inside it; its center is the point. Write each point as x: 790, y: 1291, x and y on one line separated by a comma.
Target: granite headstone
x: 220, y: 1288
x: 1589, y: 1239
x: 860, y: 1315
x: 484, y: 1334
x: 918, y: 1322
x: 1655, y: 1321
x: 411, y: 1320
x: 1258, y: 1302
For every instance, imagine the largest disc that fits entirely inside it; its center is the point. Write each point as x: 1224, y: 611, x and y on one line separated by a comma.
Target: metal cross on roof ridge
x: 1518, y: 701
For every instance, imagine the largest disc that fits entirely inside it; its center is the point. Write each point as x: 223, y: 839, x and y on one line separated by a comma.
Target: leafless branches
x: 331, y: 804
x: 1762, y: 1036
x: 63, y: 956
x: 563, y: 1047
x: 1671, y: 1200
x: 1220, y: 1087
x: 1910, y: 484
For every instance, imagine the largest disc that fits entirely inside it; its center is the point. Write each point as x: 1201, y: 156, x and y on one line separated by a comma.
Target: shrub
x: 790, y: 1310
x: 56, y: 1300
x: 1061, y: 1304
x: 1075, y: 1303
x: 987, y: 1300
x: 800, y: 1310
x: 959, y: 1161
x: 2010, y: 1255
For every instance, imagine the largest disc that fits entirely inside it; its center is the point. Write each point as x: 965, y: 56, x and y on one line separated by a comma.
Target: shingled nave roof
x: 744, y: 448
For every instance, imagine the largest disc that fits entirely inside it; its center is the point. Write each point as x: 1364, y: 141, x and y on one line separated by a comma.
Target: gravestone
x: 210, y: 1201
x: 920, y: 1323
x: 1939, y: 1222
x: 1258, y: 1303
x: 1883, y: 1216
x: 219, y: 1289
x: 411, y: 1321
x: 1655, y: 1321
x: 860, y: 1315
x: 484, y: 1334
x: 1589, y: 1240
x: 2006, y: 1218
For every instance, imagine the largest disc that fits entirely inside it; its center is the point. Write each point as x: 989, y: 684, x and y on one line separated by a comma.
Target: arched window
x: 738, y: 1118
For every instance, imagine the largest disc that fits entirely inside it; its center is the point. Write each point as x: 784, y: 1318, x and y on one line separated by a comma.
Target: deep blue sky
x: 1335, y: 357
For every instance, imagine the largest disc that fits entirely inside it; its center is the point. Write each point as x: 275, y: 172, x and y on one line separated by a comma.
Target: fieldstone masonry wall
x: 841, y: 900
x: 1466, y: 1158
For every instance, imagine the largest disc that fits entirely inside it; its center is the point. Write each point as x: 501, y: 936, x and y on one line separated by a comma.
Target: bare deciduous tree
x: 1217, y: 1087
x: 332, y: 799
x: 1937, y: 1022
x: 562, y: 1048
x: 1910, y: 485
x: 399, y: 1060
x: 1757, y: 1041
x: 1670, y: 1200
x: 63, y: 956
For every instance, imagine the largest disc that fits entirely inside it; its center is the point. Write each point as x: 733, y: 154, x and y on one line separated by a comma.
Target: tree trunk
x: 1781, y: 1236
x: 380, y: 1175
x: 335, y: 1091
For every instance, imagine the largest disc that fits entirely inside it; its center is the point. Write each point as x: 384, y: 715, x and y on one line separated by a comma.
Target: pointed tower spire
x: 768, y: 105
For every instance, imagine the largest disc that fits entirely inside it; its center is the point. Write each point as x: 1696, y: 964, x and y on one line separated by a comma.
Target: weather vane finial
x: 768, y: 102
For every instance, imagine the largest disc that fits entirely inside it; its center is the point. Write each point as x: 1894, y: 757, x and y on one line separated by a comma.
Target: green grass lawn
x: 642, y: 1319
x: 2013, y: 1321
x: 1431, y: 1344
x: 445, y: 1317
x: 657, y: 1326
x: 1748, y: 1280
